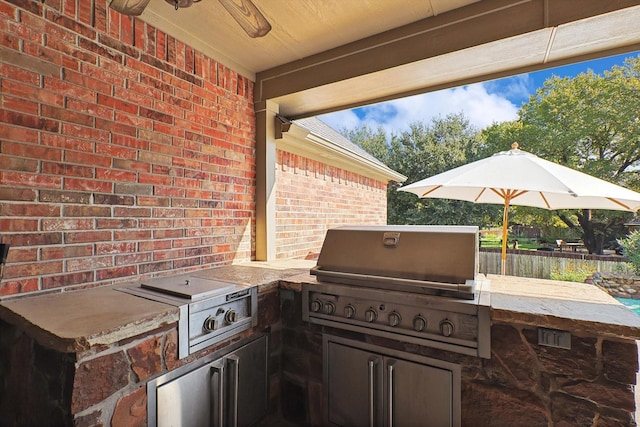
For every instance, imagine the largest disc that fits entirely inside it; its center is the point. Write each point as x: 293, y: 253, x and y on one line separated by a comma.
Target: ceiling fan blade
x: 129, y: 7
x: 248, y: 16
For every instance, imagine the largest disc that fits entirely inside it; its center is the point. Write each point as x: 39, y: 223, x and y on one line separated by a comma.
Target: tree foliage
x: 422, y: 151
x: 589, y: 123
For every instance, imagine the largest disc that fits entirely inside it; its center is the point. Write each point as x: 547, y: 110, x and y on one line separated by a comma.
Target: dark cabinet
x: 374, y: 386
x: 228, y: 391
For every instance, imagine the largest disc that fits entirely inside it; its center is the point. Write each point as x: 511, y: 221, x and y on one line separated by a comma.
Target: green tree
x: 373, y: 142
x: 422, y: 151
x: 590, y: 123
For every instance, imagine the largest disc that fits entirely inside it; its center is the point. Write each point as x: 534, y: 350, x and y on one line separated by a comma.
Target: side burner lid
x: 189, y: 287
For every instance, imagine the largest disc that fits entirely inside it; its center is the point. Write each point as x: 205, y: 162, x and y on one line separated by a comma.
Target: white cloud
x: 474, y: 101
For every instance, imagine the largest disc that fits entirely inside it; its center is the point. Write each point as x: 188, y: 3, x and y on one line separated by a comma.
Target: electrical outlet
x: 4, y: 252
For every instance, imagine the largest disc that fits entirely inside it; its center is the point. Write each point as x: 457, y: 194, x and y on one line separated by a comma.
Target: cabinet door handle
x: 235, y: 379
x: 390, y: 382
x: 217, y: 406
x: 372, y: 390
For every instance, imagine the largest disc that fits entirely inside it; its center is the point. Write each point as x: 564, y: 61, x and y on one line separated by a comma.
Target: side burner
x: 210, y: 310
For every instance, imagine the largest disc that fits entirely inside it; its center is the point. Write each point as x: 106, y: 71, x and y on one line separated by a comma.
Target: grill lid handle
x: 390, y: 239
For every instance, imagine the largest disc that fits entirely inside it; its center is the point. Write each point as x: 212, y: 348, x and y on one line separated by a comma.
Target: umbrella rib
x: 431, y: 191
x: 479, y: 195
x: 544, y: 199
x: 619, y: 203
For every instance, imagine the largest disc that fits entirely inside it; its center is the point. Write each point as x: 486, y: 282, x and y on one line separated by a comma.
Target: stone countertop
x: 570, y: 306
x: 76, y: 321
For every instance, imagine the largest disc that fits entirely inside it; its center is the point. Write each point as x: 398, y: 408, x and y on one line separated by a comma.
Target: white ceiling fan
x: 244, y: 12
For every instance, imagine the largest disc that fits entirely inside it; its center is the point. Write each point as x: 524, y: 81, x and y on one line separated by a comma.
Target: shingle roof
x: 323, y: 130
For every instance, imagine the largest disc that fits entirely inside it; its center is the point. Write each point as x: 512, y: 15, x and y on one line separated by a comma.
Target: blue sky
x: 482, y: 103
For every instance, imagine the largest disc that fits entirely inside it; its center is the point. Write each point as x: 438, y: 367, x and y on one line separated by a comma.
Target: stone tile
x: 620, y: 360
x: 97, y: 379
x: 145, y: 358
x: 131, y: 410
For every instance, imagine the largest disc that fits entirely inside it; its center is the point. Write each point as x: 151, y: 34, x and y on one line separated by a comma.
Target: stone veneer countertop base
x: 76, y: 321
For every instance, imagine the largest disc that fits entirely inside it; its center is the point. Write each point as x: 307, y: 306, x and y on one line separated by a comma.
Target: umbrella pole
x: 505, y: 227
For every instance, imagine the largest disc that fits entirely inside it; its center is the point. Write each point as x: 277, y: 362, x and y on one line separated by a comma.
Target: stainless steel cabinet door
x: 189, y: 399
x: 230, y: 391
x: 247, y: 383
x: 418, y: 395
x: 373, y: 386
x: 354, y: 387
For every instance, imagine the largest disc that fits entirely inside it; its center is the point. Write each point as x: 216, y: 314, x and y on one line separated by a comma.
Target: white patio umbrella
x: 520, y: 178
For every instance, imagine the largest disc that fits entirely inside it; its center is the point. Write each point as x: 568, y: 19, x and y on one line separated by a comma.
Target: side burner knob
x: 446, y: 328
x: 394, y: 319
x: 419, y: 323
x: 329, y: 308
x: 231, y: 316
x: 210, y: 324
x: 349, y: 311
x: 370, y: 315
x: 316, y: 305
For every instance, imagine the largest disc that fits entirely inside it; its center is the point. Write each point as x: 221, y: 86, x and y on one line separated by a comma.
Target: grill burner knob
x: 210, y: 324
x: 329, y: 308
x: 349, y: 311
x: 370, y: 315
x: 231, y: 316
x: 316, y: 305
x: 419, y: 323
x: 446, y: 328
x: 394, y: 319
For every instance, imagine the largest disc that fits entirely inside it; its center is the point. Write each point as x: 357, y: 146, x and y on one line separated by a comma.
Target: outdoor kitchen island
x: 86, y: 357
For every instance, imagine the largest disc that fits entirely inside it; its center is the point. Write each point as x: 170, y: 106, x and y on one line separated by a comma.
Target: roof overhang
x: 299, y: 140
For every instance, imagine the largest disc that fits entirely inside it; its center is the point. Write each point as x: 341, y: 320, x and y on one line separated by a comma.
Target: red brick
x: 87, y: 185
x: 17, y: 224
x: 76, y: 131
x: 66, y: 251
x: 8, y: 287
x: 88, y: 236
x: 87, y: 211
x: 132, y: 235
x: 116, y: 272
x: 32, y: 269
x: 65, y: 169
x: 61, y: 280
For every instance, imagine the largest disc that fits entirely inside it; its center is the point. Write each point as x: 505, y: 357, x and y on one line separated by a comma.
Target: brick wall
x: 123, y: 151
x: 312, y: 197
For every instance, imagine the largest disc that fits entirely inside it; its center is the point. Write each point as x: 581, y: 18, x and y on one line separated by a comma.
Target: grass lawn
x: 493, y: 241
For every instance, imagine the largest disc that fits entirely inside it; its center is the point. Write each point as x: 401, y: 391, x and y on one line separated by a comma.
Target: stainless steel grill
x: 418, y: 284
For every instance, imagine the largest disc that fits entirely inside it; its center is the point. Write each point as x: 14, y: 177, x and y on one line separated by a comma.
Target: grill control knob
x: 231, y: 316
x: 316, y: 305
x: 419, y: 323
x: 329, y: 308
x: 394, y: 319
x: 370, y: 315
x: 446, y: 328
x: 349, y: 311
x: 210, y: 324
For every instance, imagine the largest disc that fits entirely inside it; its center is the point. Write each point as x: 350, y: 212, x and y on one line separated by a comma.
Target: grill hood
x: 429, y: 259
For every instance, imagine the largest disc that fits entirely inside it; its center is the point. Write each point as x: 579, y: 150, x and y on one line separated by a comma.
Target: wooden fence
x: 540, y: 264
